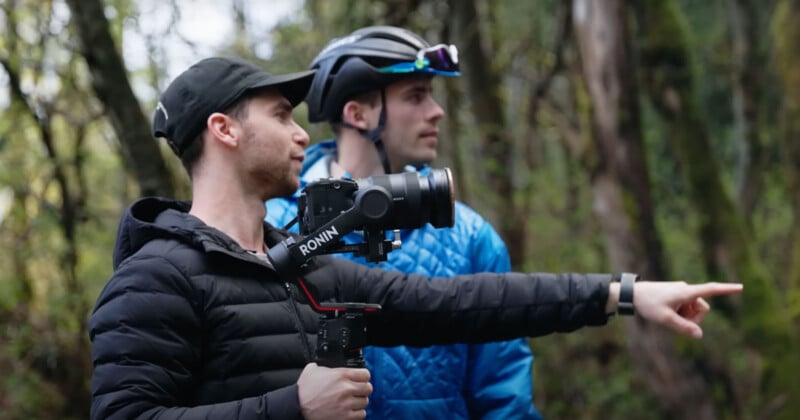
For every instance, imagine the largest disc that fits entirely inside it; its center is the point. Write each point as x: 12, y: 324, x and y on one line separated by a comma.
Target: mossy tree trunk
x: 622, y: 199
x: 747, y: 86
x: 483, y: 85
x: 140, y: 151
x: 726, y: 242
x: 786, y: 39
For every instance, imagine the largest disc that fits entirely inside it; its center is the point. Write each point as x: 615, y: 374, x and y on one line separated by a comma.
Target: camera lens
x: 440, y: 183
x: 416, y: 199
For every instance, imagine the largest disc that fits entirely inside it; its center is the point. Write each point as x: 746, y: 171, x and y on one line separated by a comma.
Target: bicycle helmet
x: 369, y: 59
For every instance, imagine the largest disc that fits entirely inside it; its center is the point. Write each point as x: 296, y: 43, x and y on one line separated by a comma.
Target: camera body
x: 328, y: 209
x: 385, y: 202
x: 323, y: 201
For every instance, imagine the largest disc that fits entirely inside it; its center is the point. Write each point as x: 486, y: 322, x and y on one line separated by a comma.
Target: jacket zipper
x: 309, y: 351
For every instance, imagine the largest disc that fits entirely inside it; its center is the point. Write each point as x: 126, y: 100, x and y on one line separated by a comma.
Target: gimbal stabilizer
x: 329, y: 209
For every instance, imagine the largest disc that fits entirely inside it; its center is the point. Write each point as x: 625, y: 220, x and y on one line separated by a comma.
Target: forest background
x: 657, y: 136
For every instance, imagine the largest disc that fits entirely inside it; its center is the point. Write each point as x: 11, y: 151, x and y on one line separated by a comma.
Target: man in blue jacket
x: 374, y: 87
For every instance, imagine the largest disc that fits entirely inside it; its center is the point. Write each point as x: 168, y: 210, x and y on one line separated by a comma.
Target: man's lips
x: 431, y: 133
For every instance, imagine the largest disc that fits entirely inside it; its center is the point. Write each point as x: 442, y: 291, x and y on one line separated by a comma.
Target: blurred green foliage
x: 586, y: 375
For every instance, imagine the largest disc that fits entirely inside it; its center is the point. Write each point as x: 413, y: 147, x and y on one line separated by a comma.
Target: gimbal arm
x: 371, y: 205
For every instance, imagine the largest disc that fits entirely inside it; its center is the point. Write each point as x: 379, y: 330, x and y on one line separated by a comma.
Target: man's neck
x: 231, y: 212
x: 356, y: 156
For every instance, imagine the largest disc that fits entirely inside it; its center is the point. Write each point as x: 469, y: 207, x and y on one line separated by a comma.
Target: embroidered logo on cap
x: 160, y: 107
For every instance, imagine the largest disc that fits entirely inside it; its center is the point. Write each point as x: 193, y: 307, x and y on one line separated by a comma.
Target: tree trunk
x: 141, y: 154
x: 727, y: 244
x: 70, y: 373
x: 452, y: 147
x: 786, y: 38
x: 483, y: 88
x: 747, y: 86
x: 622, y: 200
x: 399, y: 12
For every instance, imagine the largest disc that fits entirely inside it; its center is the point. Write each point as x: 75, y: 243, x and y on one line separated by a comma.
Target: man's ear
x: 224, y: 129
x: 354, y: 113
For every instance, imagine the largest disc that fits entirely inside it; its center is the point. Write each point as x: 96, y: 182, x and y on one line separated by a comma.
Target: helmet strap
x: 376, y: 133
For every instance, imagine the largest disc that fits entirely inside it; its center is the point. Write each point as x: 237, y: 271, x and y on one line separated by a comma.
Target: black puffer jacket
x: 192, y: 326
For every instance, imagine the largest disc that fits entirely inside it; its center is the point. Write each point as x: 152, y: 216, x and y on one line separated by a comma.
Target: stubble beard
x: 272, y: 179
x: 277, y: 186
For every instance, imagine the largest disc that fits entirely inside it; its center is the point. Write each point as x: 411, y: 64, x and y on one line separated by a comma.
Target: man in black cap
x: 196, y: 323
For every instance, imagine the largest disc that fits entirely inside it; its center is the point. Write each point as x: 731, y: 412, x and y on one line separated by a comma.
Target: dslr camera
x: 331, y: 208
x: 328, y: 209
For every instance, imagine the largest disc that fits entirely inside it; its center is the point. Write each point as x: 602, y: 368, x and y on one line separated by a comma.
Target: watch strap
x: 625, y: 302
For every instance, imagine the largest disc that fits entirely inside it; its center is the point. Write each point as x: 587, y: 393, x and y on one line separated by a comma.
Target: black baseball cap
x: 210, y: 86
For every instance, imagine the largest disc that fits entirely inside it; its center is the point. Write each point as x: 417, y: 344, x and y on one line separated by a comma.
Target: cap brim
x: 294, y: 86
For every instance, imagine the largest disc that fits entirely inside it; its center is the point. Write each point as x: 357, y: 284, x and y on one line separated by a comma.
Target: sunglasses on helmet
x: 439, y: 59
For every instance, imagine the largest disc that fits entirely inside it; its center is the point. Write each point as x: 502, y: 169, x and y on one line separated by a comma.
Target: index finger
x: 715, y: 289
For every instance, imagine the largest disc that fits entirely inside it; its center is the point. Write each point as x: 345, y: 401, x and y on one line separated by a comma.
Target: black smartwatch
x: 625, y: 302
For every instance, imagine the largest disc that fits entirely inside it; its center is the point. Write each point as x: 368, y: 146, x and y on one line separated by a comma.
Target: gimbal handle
x: 343, y: 334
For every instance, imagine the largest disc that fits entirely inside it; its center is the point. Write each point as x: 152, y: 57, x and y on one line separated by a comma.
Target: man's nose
x: 301, y: 137
x: 437, y: 112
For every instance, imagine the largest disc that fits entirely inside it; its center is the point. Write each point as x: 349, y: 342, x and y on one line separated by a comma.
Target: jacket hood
x: 153, y: 217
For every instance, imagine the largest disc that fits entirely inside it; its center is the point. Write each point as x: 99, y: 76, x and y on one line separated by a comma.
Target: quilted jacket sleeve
x: 146, y: 350
x: 474, y: 308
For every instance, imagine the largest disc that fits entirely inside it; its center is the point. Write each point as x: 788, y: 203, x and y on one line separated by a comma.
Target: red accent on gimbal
x: 319, y: 308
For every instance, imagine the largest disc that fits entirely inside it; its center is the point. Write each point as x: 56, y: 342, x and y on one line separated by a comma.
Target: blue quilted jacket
x: 486, y: 381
